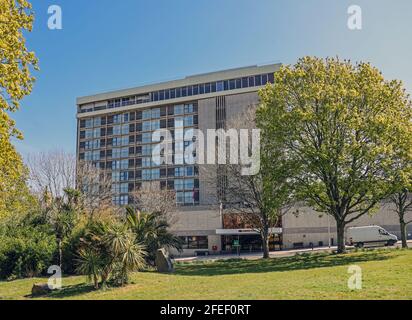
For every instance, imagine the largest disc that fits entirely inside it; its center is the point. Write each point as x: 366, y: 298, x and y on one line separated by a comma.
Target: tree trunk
x: 404, y: 236
x: 60, y: 253
x: 341, y: 236
x: 265, y: 244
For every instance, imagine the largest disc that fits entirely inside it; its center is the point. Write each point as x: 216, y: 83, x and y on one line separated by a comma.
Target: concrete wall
x: 200, y: 221
x: 310, y: 226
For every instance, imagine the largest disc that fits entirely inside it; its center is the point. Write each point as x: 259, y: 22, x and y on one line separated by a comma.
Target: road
x: 273, y: 254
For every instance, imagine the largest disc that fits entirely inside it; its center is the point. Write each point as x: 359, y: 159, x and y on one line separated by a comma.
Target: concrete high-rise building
x: 115, y: 133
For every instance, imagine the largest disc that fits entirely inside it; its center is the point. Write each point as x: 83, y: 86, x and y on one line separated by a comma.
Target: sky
x: 107, y: 45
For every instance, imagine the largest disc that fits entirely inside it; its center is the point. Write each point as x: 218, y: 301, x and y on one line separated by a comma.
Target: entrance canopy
x: 239, y: 232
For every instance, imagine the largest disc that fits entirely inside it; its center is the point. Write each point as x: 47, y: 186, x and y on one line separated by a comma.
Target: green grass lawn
x: 387, y: 274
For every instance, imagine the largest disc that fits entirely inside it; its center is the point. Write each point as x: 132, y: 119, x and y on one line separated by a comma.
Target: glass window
x: 258, y: 80
x: 232, y: 84
x: 178, y: 109
x: 251, y: 81
x: 189, y: 197
x: 189, y: 108
x: 238, y: 83
x: 146, y: 137
x: 180, y: 197
x: 189, y: 184
x: 172, y: 93
x: 188, y: 122
x: 179, y: 172
x: 147, y: 125
x: 195, y: 90
x: 179, y: 184
x: 97, y: 122
x: 155, y: 174
x: 155, y: 113
x: 219, y: 86
x: 179, y: 122
x: 146, y: 114
x: 89, y: 123
x: 117, y: 118
x: 207, y: 88
x: 117, y: 130
x: 264, y: 79
x: 89, y: 134
x: 147, y: 150
x: 155, y: 125
x: 146, y: 174
x: 189, y: 171
x: 245, y: 83
x: 125, y: 129
x: 146, y: 162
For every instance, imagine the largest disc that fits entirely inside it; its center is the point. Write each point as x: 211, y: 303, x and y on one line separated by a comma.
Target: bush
x: 26, y: 251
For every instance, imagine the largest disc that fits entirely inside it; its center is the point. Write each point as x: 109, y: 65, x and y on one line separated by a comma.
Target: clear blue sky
x: 107, y: 45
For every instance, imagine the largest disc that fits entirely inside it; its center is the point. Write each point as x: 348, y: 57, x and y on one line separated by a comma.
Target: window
x: 120, y: 141
x: 188, y: 108
x: 121, y: 200
x: 146, y: 162
x: 155, y: 174
x: 232, y: 84
x: 179, y: 184
x: 258, y: 80
x: 155, y: 124
x: 117, y: 130
x: 189, y: 184
x: 146, y: 114
x: 156, y: 113
x: 188, y: 122
x: 147, y: 137
x: 147, y: 150
x: 178, y: 109
x: 189, y: 171
x: 117, y: 118
x: 89, y: 123
x: 125, y: 129
x: 179, y: 172
x: 245, y: 83
x: 147, y: 125
x: 179, y: 122
x: 146, y: 174
x: 120, y: 153
x: 118, y: 165
x: 195, y: 242
x: 219, y: 86
x: 120, y: 188
x: 189, y: 198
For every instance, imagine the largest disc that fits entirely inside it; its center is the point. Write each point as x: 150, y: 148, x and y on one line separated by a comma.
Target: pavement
x: 273, y: 254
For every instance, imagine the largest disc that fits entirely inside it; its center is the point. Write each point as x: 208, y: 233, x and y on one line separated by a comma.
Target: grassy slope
x: 387, y: 274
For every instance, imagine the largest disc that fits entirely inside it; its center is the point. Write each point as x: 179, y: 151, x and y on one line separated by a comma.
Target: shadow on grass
x: 298, y: 262
x: 70, y: 291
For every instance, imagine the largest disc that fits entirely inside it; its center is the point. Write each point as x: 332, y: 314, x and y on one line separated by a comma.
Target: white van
x: 370, y: 236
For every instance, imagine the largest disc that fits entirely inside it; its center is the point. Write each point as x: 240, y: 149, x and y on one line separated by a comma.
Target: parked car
x: 370, y: 236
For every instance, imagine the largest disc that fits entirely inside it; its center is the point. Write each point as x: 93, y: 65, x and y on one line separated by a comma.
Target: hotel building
x: 115, y: 133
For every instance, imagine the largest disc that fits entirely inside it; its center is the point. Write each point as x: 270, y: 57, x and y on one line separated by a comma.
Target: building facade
x: 115, y: 133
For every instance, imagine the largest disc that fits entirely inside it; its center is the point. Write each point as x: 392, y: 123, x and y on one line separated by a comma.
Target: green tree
x: 401, y: 197
x: 16, y: 82
x: 342, y: 126
x: 151, y: 230
x: 109, y: 253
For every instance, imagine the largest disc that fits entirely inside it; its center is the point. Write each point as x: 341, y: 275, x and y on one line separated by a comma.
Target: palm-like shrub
x: 151, y: 230
x: 109, y: 252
